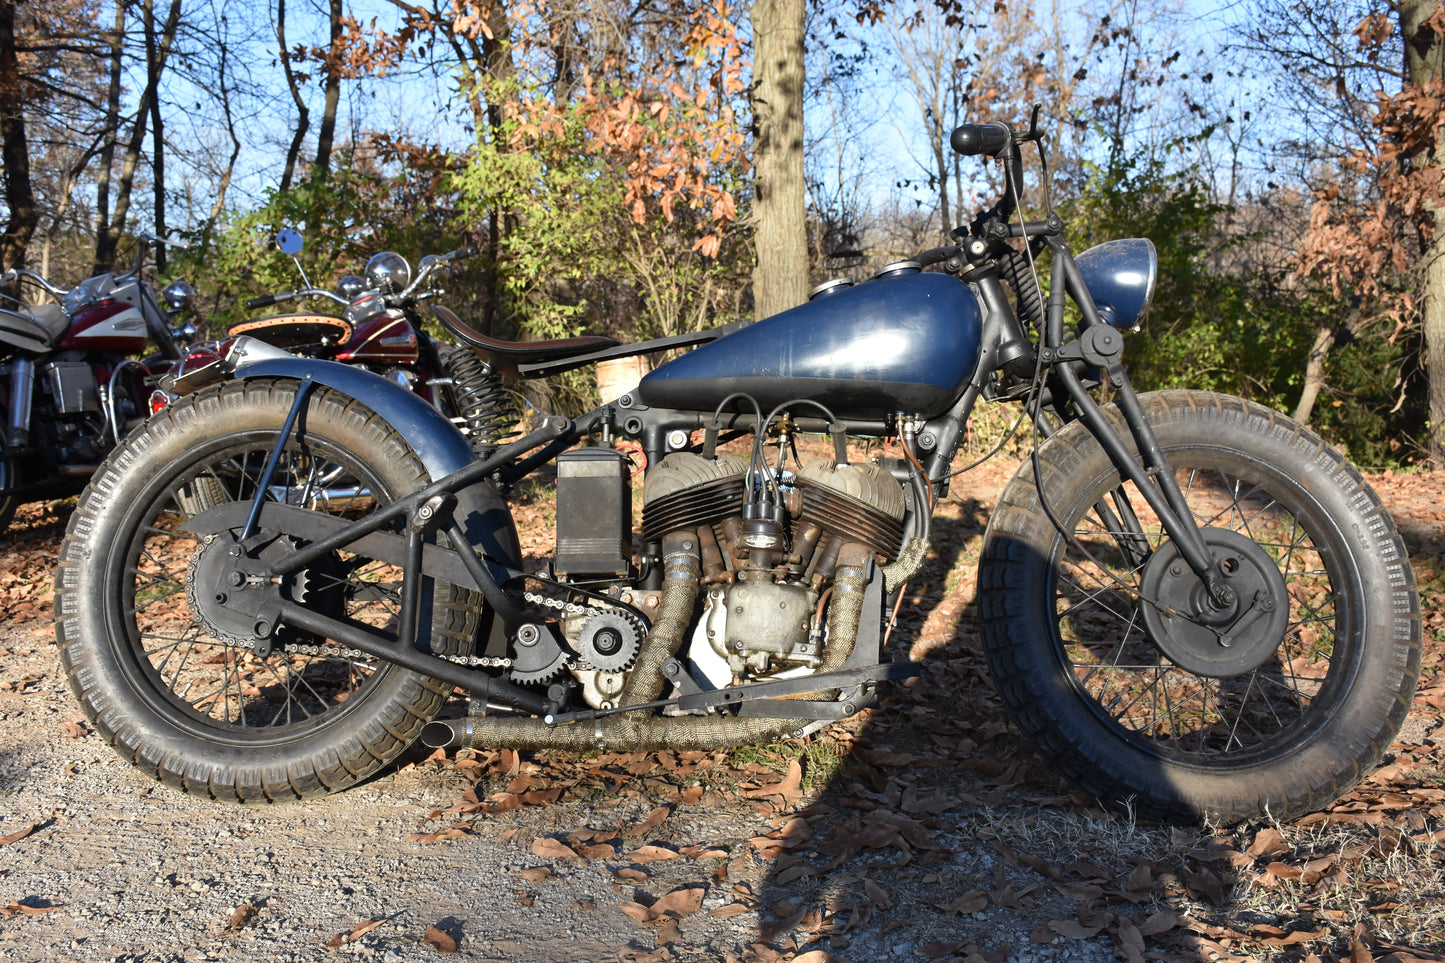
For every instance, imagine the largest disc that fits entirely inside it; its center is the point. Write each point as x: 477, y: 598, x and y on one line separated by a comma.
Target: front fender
x: 436, y: 441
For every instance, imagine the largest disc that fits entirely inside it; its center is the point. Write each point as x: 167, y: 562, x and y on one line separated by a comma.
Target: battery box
x: 594, y: 513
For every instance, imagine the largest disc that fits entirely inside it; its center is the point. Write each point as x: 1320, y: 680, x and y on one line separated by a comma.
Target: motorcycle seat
x: 35, y: 328
x: 51, y: 318
x: 508, y: 355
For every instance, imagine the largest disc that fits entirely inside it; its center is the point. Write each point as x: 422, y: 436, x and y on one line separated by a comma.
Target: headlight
x: 388, y: 271
x: 351, y: 286
x: 1120, y: 275
x: 178, y: 295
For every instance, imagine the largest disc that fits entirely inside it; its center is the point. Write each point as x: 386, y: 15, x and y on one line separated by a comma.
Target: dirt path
x: 899, y: 839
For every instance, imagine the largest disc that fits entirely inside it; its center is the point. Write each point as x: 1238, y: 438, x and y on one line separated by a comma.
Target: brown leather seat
x: 507, y: 355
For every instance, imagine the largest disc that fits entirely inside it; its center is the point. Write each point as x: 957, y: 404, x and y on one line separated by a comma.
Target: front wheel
x: 1273, y: 708
x: 157, y: 646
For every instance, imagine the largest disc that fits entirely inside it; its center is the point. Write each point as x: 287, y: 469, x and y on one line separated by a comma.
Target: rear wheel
x: 1272, y: 707
x: 163, y: 660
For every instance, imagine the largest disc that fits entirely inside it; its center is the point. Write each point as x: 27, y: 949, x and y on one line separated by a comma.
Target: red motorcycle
x: 378, y: 326
x: 70, y: 382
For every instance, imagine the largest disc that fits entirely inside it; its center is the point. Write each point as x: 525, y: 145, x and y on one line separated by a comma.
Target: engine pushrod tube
x: 348, y: 633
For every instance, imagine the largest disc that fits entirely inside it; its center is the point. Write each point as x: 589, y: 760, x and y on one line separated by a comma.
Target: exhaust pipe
x: 625, y: 732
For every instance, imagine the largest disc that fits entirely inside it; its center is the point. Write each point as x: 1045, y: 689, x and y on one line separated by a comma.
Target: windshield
x: 91, y: 289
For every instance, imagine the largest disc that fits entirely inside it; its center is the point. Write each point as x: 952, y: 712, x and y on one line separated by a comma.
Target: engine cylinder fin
x: 702, y: 504
x: 842, y: 514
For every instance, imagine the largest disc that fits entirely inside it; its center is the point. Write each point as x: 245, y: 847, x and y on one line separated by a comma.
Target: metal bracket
x: 1100, y: 346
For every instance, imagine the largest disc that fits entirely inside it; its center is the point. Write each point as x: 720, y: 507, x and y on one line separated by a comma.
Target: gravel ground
x: 118, y: 868
x: 128, y: 870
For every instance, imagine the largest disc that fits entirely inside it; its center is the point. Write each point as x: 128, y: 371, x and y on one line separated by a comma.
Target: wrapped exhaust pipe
x: 628, y: 733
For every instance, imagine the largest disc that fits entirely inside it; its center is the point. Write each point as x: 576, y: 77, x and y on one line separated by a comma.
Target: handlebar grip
x: 266, y: 299
x: 988, y: 139
x: 935, y: 255
x: 465, y: 251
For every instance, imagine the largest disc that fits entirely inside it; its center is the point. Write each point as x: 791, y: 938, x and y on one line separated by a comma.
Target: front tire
x: 1072, y: 644
x: 158, y: 668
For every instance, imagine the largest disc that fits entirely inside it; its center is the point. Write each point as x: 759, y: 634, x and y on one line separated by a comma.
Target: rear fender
x: 436, y: 441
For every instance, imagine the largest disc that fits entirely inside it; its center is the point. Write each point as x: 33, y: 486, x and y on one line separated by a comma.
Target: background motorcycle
x: 70, y: 385
x: 377, y: 325
x: 1193, y: 605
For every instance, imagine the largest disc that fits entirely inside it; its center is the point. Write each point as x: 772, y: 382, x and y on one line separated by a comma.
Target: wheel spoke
x: 1124, y: 673
x: 221, y: 679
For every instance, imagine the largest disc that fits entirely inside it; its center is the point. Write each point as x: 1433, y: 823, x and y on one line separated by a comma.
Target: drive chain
x: 473, y: 661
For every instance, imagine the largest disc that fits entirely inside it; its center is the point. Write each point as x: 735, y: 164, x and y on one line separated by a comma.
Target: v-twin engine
x: 767, y: 564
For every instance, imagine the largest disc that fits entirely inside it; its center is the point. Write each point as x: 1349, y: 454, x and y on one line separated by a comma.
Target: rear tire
x: 1071, y: 645
x: 172, y: 691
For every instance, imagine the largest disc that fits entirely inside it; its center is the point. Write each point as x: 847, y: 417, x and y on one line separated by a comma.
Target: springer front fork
x: 1102, y: 346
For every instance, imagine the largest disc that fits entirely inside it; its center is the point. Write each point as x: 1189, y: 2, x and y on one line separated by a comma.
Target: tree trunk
x: 497, y: 60
x: 303, y: 113
x: 327, y: 133
x: 14, y: 149
x: 1314, y: 374
x: 1424, y: 59
x: 219, y: 204
x: 1325, y: 338
x: 780, y: 279
x: 104, y: 242
x: 137, y: 137
x: 158, y: 141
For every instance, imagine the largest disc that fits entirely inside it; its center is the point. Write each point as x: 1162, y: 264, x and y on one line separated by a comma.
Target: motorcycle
x: 378, y: 326
x: 1193, y: 606
x: 69, y: 386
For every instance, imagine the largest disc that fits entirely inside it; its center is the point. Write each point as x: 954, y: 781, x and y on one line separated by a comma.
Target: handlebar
x: 999, y: 139
x: 935, y: 255
x: 972, y: 140
x: 266, y: 300
x: 465, y: 251
x: 28, y: 275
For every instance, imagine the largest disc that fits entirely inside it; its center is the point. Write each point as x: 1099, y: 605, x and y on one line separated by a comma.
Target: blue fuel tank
x: 906, y: 341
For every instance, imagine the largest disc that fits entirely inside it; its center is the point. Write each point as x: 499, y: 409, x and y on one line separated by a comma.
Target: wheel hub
x: 1202, y: 635
x: 227, y: 588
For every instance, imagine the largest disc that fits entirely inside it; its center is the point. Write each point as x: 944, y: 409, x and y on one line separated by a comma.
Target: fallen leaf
x: 1131, y: 942
x: 651, y: 854
x: 974, y: 901
x: 1274, y: 936
x: 18, y: 835
x: 20, y: 909
x: 1072, y: 930
x: 637, y: 911
x: 653, y: 820
x: 597, y: 851
x: 537, y: 874
x: 356, y: 933
x: 242, y: 915
x: 730, y: 910
x: 1267, y: 842
x: 439, y: 941
x: 1158, y: 923
x: 549, y: 848
x: 680, y: 903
